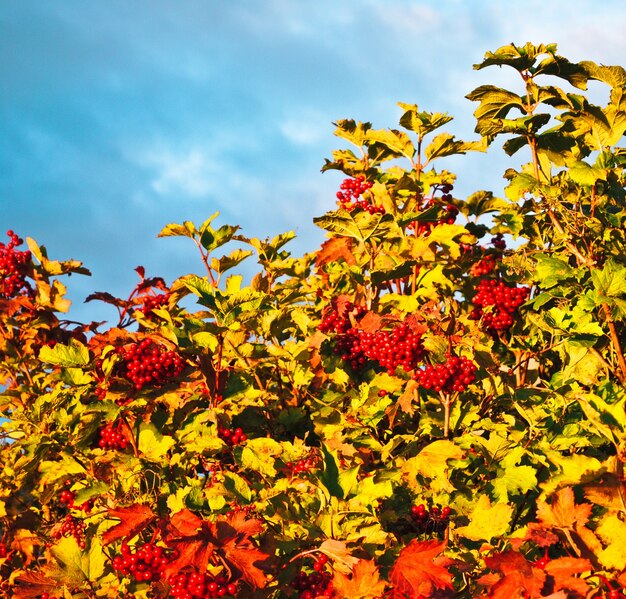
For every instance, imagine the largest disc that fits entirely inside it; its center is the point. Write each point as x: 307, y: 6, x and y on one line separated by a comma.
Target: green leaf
x: 225, y: 263
x: 611, y: 280
x: 211, y: 239
x: 445, y: 145
x: 329, y: 476
x: 521, y: 58
x: 583, y: 174
x: 550, y: 271
x: 487, y: 521
x: 79, y: 566
x: 73, y: 354
x: 236, y: 485
x: 421, y: 123
x: 483, y: 202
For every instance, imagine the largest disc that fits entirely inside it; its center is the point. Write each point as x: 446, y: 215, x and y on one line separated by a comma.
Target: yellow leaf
x: 613, y: 532
x: 487, y: 521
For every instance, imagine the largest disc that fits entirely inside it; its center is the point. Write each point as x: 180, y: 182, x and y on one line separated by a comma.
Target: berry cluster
x: 13, y: 268
x: 399, y: 347
x: 484, y: 266
x: 112, y: 437
x: 232, y: 436
x: 67, y: 497
x: 72, y: 527
x: 315, y: 584
x: 147, y: 364
x: 4, y: 551
x: 152, y: 302
x: 452, y: 376
x: 144, y: 565
x: 46, y: 595
x: 436, y: 520
x: 202, y: 586
x: 351, y: 191
x: 335, y: 322
x: 501, y: 302
x: 302, y: 465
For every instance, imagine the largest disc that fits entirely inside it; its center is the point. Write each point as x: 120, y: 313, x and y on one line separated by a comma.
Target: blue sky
x: 117, y: 118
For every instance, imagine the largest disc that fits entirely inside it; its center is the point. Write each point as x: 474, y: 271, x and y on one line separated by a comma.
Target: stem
x: 616, y: 344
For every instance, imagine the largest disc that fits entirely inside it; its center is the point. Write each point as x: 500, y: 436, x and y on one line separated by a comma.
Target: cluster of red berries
x: 616, y: 594
x: 147, y: 364
x: 501, y: 302
x: 4, y: 550
x: 46, y: 595
x: 452, y: 376
x: 428, y: 521
x: 13, y: 268
x: 146, y: 564
x: 399, y: 347
x: 351, y: 191
x: 112, y: 437
x: 67, y: 497
x: 315, y: 584
x: 232, y: 436
x: 202, y: 586
x: 302, y: 465
x: 72, y: 527
x: 486, y: 265
x: 334, y: 322
x: 152, y: 302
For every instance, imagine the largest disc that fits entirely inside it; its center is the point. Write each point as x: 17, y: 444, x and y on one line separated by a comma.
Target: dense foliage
x: 432, y: 404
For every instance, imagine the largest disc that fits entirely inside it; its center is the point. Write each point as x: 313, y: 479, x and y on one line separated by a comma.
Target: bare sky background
x: 117, y: 118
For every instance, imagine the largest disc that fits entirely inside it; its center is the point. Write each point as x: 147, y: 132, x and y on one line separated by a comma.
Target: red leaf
x: 197, y: 540
x: 238, y: 550
x: 134, y: 519
x: 418, y: 569
x: 193, y: 538
x: 518, y: 575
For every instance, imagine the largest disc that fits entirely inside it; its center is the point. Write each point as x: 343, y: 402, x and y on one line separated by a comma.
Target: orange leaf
x: 417, y: 571
x: 518, y: 575
x: 563, y: 512
x: 333, y: 249
x: 134, y: 519
x: 563, y: 569
x: 364, y: 583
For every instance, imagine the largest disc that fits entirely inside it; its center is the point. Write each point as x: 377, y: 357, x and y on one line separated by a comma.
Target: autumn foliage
x: 431, y: 405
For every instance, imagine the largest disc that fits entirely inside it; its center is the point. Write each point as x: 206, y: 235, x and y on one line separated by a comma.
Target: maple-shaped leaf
x: 238, y: 551
x: 563, y: 572
x: 563, y: 512
x: 193, y: 538
x: 371, y: 322
x: 333, y: 249
x: 517, y: 575
x: 420, y: 569
x: 198, y: 540
x: 364, y: 583
x: 539, y: 535
x: 133, y: 519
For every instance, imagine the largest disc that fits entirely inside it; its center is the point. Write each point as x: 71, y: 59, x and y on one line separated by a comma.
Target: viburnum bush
x: 431, y: 404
